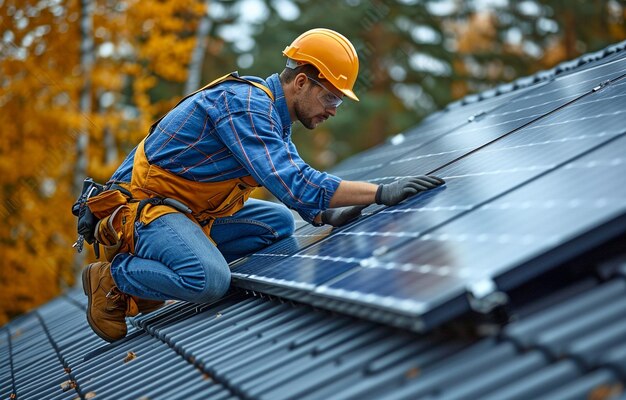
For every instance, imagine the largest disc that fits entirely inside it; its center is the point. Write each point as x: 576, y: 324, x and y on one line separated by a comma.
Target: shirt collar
x: 280, y: 102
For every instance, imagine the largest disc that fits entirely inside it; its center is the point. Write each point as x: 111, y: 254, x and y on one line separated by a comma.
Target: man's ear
x: 299, y: 82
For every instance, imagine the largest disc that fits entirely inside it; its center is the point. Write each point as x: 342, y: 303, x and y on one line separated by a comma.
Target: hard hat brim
x: 350, y: 94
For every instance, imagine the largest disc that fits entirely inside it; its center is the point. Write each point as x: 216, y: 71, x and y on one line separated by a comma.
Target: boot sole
x: 87, y: 290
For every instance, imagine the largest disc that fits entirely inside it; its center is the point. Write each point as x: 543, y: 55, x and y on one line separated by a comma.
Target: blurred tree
x: 571, y: 28
x: 79, y: 85
x: 40, y: 117
x: 194, y: 77
x: 515, y: 39
x: 87, y: 56
x: 394, y: 61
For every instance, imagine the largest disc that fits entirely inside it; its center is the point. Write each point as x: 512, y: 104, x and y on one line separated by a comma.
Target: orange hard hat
x: 331, y: 53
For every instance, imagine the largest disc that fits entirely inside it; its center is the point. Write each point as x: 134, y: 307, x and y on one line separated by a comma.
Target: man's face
x: 317, y: 102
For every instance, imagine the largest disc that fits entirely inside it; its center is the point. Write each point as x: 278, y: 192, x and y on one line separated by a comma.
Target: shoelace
x: 122, y: 301
x: 117, y: 299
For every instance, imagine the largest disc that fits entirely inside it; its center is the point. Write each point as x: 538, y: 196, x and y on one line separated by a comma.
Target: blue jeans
x: 174, y: 259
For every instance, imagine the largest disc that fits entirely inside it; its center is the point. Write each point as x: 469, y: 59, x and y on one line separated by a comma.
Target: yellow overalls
x: 207, y: 201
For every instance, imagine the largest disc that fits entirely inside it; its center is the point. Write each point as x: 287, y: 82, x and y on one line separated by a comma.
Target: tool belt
x: 107, y: 216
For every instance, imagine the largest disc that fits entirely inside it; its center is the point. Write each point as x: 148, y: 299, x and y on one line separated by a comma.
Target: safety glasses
x: 326, y: 97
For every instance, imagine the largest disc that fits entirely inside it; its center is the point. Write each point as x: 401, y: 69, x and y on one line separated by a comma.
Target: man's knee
x: 216, y: 284
x: 285, y: 222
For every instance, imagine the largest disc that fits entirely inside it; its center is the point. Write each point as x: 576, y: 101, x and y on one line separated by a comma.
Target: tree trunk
x: 110, y: 146
x: 197, y: 57
x: 108, y: 139
x: 569, y: 32
x: 379, y: 122
x: 82, y: 139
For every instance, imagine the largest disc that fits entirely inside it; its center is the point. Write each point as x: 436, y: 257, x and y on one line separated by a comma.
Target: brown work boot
x: 146, y: 306
x: 107, y: 306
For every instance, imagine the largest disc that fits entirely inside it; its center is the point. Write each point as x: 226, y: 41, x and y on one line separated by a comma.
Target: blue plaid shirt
x: 235, y: 130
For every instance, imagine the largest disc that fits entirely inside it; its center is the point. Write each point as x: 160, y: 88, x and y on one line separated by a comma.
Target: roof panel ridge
x: 13, y: 393
x: 565, y: 67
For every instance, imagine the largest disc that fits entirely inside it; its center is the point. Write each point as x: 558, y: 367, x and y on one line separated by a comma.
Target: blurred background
x: 81, y: 81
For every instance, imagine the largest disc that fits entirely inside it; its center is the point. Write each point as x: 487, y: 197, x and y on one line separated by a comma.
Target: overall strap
x: 233, y: 76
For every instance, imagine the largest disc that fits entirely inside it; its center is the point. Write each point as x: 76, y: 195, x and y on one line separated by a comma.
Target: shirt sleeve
x: 255, y: 138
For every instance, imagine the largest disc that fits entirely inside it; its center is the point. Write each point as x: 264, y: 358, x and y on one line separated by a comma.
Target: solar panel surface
x: 534, y: 174
x: 506, y: 240
x: 510, y: 115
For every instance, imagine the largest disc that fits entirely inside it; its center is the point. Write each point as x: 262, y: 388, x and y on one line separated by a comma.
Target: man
x: 194, y: 171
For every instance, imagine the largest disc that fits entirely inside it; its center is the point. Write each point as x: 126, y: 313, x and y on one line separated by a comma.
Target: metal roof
x: 567, y: 345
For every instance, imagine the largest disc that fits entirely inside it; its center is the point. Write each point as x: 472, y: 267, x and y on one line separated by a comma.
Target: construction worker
x: 178, y: 216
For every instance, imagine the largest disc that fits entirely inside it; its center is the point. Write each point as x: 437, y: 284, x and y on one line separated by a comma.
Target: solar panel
x: 430, y: 129
x: 413, y: 265
x: 507, y: 240
x: 443, y: 139
x: 271, y: 255
x: 513, y: 230
x: 492, y: 125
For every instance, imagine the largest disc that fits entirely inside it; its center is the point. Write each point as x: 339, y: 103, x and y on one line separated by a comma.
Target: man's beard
x: 307, y: 122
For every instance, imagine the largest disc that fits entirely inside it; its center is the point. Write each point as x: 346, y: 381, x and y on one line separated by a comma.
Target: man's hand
x: 393, y: 193
x: 341, y: 216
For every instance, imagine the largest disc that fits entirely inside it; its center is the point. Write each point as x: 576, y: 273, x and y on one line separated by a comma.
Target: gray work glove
x: 393, y: 193
x: 341, y: 216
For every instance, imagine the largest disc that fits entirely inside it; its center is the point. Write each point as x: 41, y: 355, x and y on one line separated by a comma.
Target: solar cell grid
x: 517, y: 228
x: 381, y: 155
x: 301, y: 272
x: 607, y: 55
x: 413, y: 139
x: 401, y: 290
x: 434, y: 151
x: 254, y: 264
x: 303, y: 237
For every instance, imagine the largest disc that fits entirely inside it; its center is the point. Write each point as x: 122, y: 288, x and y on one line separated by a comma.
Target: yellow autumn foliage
x: 137, y: 43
